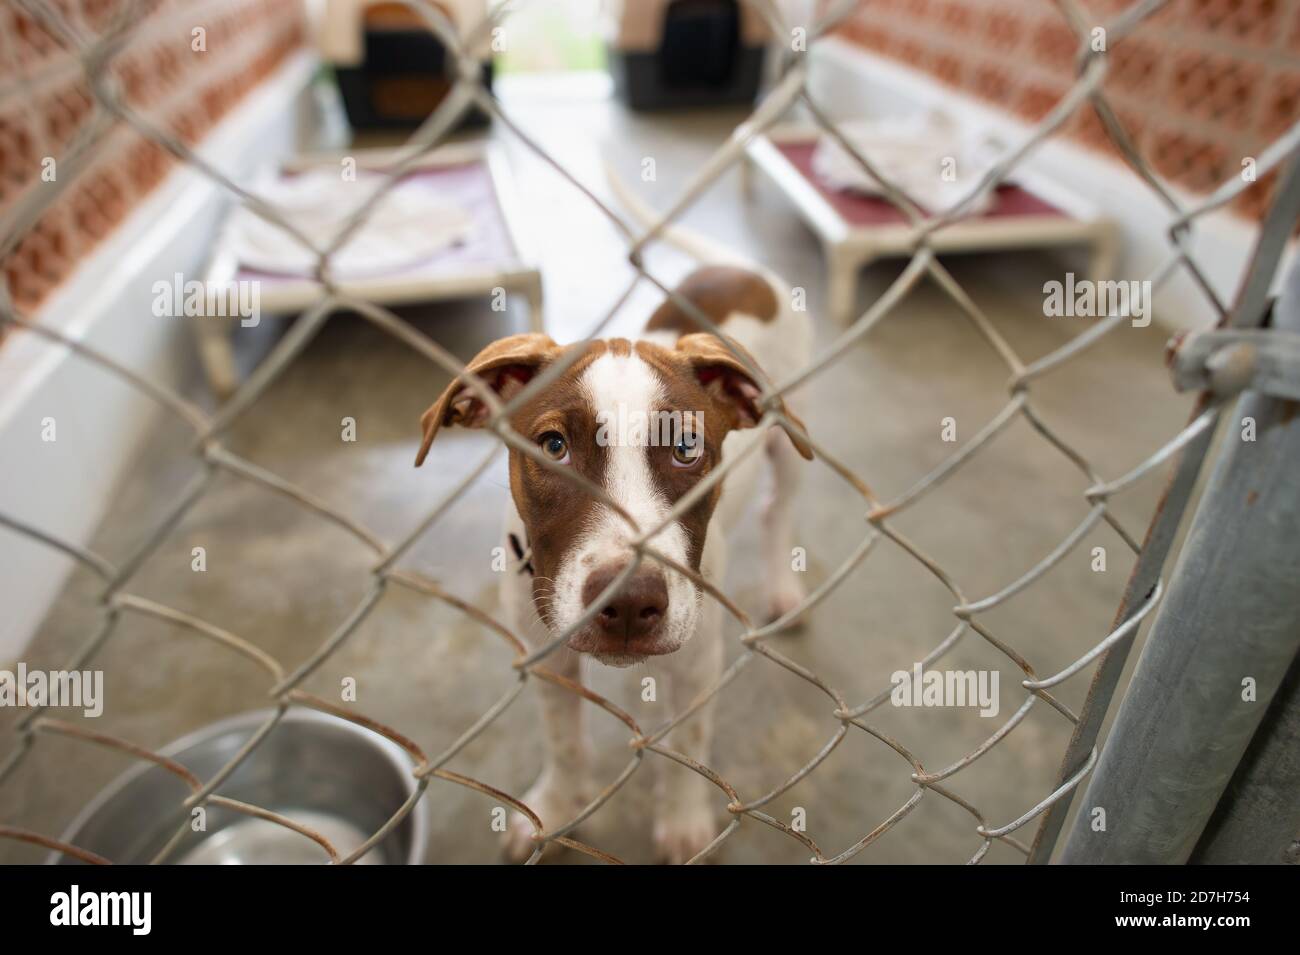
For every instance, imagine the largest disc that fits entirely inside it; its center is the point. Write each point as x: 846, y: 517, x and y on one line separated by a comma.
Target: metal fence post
x: 1231, y: 621
x: 1258, y: 819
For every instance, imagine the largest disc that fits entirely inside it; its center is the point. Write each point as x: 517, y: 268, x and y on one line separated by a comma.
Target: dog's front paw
x: 683, y: 834
x: 555, y: 804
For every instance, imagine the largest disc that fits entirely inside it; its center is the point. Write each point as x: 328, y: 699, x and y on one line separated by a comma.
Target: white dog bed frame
x: 496, y: 256
x: 854, y: 230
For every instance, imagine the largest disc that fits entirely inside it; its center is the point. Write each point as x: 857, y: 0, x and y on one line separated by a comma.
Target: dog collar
x: 522, y: 554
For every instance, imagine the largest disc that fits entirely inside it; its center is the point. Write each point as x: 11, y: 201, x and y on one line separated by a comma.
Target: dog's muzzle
x: 631, y: 622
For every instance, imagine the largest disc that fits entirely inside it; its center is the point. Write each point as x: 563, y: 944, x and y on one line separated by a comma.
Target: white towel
x: 409, y: 225
x: 928, y: 157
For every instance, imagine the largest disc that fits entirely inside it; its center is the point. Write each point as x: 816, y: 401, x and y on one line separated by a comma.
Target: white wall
x: 64, y: 487
x: 848, y: 81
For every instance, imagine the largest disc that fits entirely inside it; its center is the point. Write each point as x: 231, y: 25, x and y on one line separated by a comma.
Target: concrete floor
x: 283, y: 578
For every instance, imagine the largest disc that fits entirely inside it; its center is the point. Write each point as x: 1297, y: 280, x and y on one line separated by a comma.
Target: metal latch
x: 1229, y: 361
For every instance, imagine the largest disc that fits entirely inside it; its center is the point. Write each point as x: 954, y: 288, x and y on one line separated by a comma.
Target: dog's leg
x: 785, y: 589
x: 561, y: 790
x: 687, y: 806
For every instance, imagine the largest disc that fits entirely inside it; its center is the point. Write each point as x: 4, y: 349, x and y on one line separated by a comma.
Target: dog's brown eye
x: 554, y: 446
x: 687, y: 451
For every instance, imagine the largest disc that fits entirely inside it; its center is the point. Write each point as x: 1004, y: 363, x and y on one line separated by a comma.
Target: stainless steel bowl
x: 326, y: 773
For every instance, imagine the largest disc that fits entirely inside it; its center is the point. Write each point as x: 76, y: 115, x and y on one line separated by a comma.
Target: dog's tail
x: 695, y: 244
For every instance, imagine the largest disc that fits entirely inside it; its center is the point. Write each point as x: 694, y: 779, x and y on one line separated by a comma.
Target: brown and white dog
x: 598, y: 419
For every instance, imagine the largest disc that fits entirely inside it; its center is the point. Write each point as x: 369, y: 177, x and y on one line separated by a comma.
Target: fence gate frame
x: 1181, y: 731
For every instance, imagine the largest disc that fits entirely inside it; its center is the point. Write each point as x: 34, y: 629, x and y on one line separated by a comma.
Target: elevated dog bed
x: 679, y: 53
x: 855, y: 228
x: 479, y: 248
x: 392, y: 70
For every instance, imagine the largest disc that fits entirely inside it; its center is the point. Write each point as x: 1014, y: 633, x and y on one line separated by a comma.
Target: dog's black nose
x: 636, y: 609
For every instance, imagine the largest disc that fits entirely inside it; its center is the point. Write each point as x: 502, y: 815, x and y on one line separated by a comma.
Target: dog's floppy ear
x: 731, y: 385
x: 506, y: 366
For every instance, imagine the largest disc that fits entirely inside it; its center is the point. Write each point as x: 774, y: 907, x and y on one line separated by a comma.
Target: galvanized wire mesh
x: 96, y: 53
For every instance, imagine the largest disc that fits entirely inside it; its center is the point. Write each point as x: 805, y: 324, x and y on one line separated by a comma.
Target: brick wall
x: 44, y: 100
x: 1200, y: 85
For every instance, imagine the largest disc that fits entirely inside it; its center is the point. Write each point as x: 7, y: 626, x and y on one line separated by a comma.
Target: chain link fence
x: 1104, y: 660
